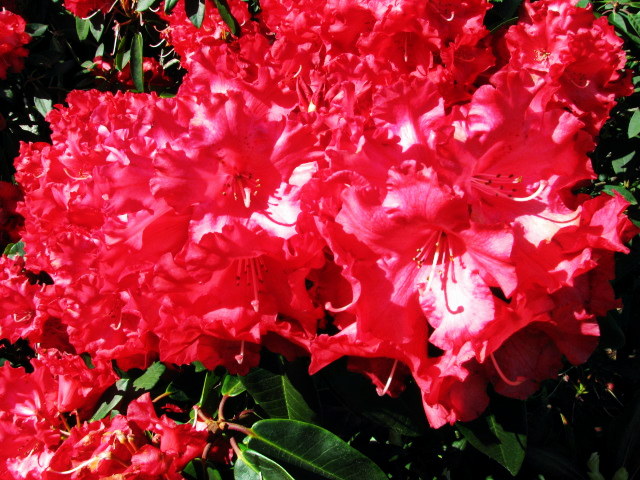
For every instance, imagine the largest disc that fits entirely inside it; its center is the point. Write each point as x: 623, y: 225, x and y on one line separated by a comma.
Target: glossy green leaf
x: 143, y: 5
x: 634, y: 124
x: 195, y: 11
x: 628, y: 196
x: 255, y: 466
x: 227, y: 16
x: 311, y: 448
x: 276, y: 395
x: 209, y: 395
x: 122, y: 54
x: 232, y: 386
x: 634, y: 21
x: 619, y: 164
x: 169, y: 4
x: 498, y: 438
x: 150, y: 377
x: 14, y: 249
x: 82, y: 28
x: 137, y: 72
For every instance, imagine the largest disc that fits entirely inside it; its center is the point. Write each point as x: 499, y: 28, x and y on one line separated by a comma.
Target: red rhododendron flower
x: 12, y: 41
x: 390, y: 171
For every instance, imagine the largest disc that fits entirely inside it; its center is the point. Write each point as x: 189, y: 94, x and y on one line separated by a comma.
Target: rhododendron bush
x: 389, y: 186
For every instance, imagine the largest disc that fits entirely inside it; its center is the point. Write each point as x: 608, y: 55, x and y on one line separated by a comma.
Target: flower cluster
x: 12, y: 40
x: 383, y: 181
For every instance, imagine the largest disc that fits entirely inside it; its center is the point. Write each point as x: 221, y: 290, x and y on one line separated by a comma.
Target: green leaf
x: 137, y: 72
x: 122, y: 55
x: 106, y: 407
x: 232, y: 386
x: 199, y: 367
x: 403, y: 415
x: 43, y: 105
x: 227, y: 16
x: 96, y: 27
x: 582, y: 3
x: 86, y: 358
x: 313, y: 449
x: 208, y: 394
x: 168, y: 5
x: 194, y: 471
x: 253, y: 6
x: 619, y: 164
x: 36, y: 29
x: 276, y: 395
x: 499, y: 438
x: 14, y: 249
x: 621, y: 474
x: 628, y: 196
x: 634, y: 21
x: 82, y: 28
x: 195, y: 11
x: 255, y: 466
x: 150, y: 378
x: 634, y: 125
x: 143, y: 5
x: 594, y: 467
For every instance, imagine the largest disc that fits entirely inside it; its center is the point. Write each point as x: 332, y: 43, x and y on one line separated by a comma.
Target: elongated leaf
x: 137, y: 73
x: 628, y: 196
x: 106, y: 407
x: 143, y: 5
x: 232, y: 386
x: 227, y: 16
x: 313, y: 449
x: 36, y: 29
x: 149, y: 378
x: 195, y: 11
x: 82, y: 28
x: 209, y: 395
x: 276, y: 395
x: 634, y: 124
x: 169, y: 4
x: 122, y: 54
x: 504, y: 444
x: 255, y: 466
x: 634, y: 21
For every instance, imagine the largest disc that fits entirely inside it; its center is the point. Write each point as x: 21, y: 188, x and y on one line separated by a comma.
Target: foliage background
x: 583, y: 424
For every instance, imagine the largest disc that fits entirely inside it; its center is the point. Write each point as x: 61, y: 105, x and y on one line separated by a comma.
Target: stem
x: 221, y: 407
x: 160, y: 397
x: 235, y: 447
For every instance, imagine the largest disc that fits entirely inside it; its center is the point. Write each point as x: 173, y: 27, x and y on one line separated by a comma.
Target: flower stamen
x: 506, y: 186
